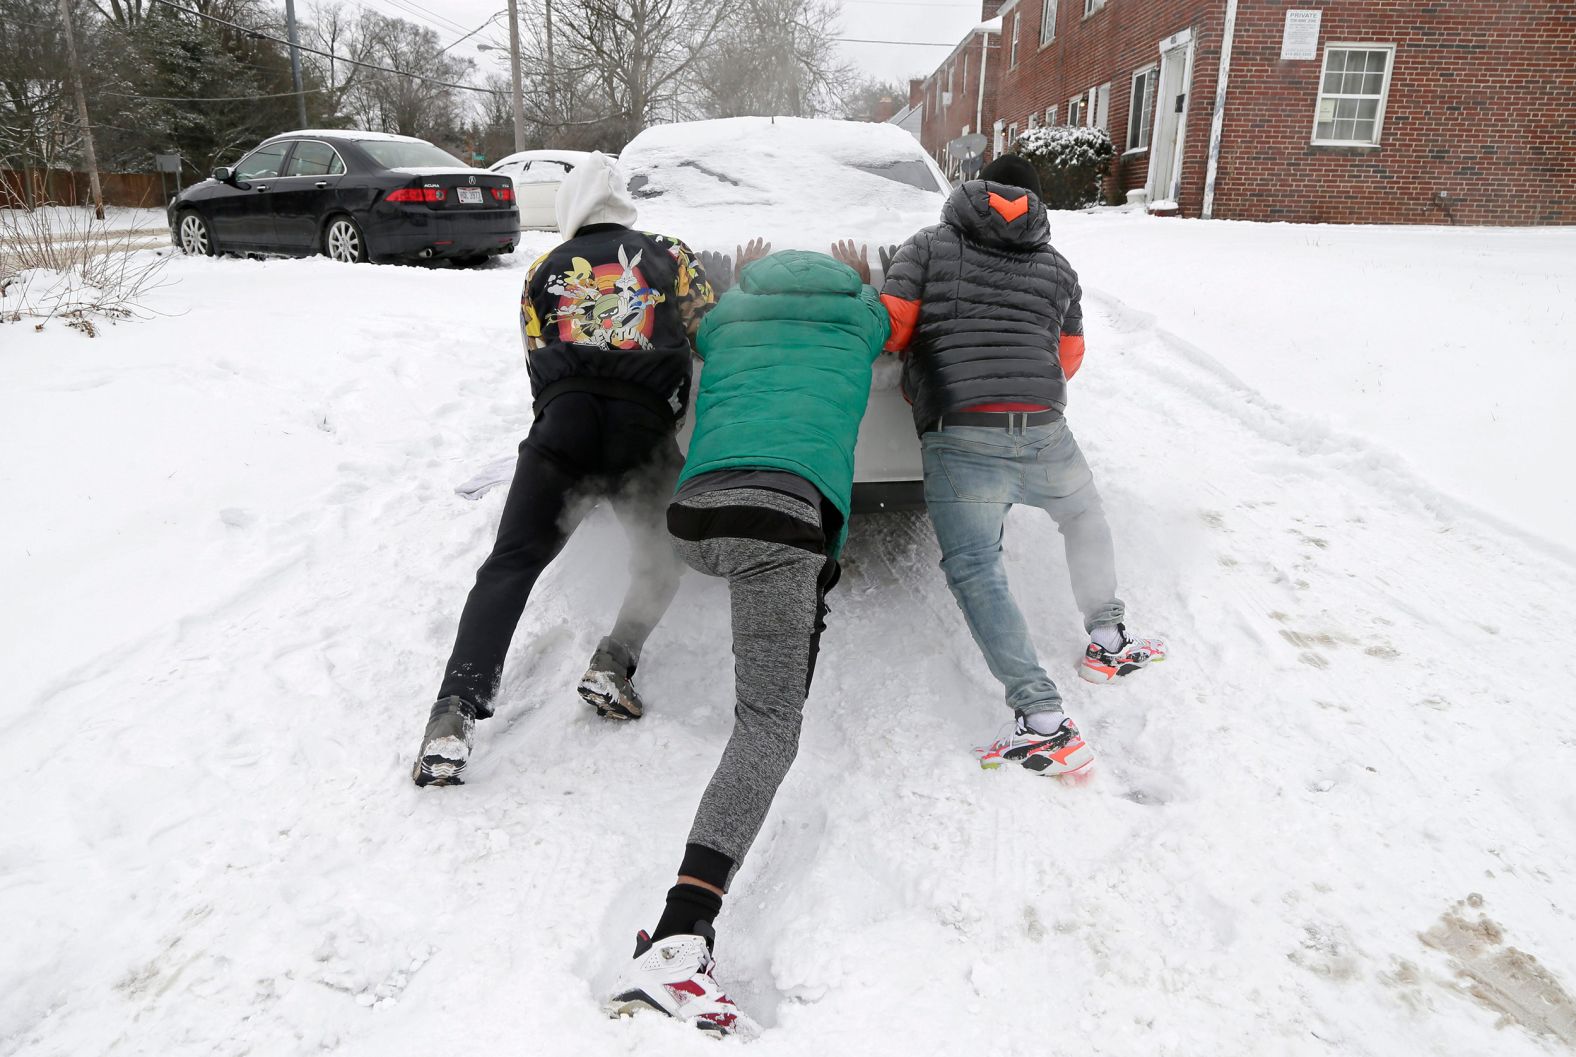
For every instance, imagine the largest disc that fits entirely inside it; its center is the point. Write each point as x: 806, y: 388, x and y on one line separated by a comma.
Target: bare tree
x: 776, y: 57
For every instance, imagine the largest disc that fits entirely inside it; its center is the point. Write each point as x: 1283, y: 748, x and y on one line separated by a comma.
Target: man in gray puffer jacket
x: 988, y: 316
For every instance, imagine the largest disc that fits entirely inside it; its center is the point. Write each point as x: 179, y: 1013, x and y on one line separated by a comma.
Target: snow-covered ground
x: 232, y: 561
x: 1448, y: 347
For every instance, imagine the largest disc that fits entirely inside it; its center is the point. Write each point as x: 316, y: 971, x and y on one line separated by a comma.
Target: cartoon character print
x: 607, y: 307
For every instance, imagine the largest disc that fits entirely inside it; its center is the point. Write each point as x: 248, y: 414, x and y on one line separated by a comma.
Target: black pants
x: 581, y: 447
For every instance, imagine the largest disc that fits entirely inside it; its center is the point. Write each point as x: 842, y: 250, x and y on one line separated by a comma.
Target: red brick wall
x: 1109, y: 45
x: 943, y: 124
x: 1481, y: 109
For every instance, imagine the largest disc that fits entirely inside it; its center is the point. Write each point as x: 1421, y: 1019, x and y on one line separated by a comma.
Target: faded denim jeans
x: 973, y: 476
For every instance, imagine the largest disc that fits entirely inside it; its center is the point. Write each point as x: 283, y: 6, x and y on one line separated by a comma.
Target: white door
x: 1165, y: 146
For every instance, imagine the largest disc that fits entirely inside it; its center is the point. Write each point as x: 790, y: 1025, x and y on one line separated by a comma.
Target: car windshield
x: 404, y: 154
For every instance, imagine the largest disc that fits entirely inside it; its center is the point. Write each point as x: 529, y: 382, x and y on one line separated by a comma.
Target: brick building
x: 1351, y: 111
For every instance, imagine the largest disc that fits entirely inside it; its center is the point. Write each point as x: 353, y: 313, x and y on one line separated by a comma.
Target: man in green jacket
x: 763, y: 501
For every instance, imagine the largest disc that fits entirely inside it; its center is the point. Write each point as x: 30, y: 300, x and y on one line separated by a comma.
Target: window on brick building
x: 1029, y: 124
x: 1141, y: 108
x: 1091, y: 6
x: 1353, y: 88
x: 965, y: 71
x: 1075, y: 110
x: 1016, y: 19
x: 1100, y: 107
x: 1048, y: 22
x: 1050, y: 115
x: 1012, y: 134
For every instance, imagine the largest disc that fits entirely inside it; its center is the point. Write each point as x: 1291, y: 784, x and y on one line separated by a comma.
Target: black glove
x: 886, y: 253
x: 719, y: 270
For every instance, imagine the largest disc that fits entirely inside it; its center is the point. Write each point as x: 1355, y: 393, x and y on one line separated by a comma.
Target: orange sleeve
x: 904, y: 314
x: 1071, y: 353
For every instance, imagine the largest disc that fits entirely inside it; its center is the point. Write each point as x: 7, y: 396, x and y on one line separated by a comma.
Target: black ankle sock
x: 687, y: 904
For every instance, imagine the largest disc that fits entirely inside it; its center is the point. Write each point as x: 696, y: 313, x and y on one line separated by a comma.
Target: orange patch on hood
x: 1010, y: 210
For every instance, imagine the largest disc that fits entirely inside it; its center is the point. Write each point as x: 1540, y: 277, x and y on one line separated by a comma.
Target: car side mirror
x: 224, y: 174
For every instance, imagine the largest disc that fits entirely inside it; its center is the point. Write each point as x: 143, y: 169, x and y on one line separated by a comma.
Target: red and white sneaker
x: 1061, y: 753
x: 673, y: 976
x: 1101, y: 665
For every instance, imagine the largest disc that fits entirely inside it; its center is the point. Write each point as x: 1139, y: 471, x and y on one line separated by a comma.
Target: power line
x: 210, y: 98
x: 910, y: 43
x: 327, y: 54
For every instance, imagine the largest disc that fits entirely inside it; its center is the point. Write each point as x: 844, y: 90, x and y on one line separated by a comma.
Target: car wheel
x: 343, y: 241
x: 194, y: 234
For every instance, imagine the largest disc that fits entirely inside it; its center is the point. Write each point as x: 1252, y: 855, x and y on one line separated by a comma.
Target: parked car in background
x: 536, y: 175
x: 353, y: 196
x: 801, y: 183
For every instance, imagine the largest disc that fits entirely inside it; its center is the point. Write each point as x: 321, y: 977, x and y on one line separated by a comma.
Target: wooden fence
x: 33, y: 187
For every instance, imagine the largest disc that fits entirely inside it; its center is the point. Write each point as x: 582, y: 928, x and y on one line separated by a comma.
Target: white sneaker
x: 673, y: 976
x: 1058, y: 754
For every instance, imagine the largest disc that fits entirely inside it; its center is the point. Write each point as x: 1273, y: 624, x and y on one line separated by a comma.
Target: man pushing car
x: 989, y: 317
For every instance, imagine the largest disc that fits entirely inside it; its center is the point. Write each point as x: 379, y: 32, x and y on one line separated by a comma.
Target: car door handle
x: 260, y: 187
x: 321, y: 184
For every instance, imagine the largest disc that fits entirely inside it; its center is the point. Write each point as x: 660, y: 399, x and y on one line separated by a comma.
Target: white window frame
x: 1012, y: 134
x: 1384, y: 94
x: 1028, y: 123
x: 1047, y: 22
x: 1100, y: 107
x: 965, y: 71
x: 951, y: 69
x: 1017, y: 20
x: 1146, y: 121
x: 1091, y: 6
x: 1050, y: 115
x: 1075, y: 110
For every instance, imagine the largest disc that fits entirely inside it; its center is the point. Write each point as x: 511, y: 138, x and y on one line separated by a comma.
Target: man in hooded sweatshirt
x: 608, y: 318
x: 763, y: 502
x: 988, y: 316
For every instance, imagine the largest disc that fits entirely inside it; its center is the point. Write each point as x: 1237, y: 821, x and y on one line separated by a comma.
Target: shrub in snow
x: 1071, y: 161
x: 60, y: 264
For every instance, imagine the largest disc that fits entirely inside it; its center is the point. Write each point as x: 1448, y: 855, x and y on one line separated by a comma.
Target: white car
x: 801, y: 183
x: 536, y: 175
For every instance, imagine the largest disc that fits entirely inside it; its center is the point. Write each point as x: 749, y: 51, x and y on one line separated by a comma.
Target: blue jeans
x: 973, y: 476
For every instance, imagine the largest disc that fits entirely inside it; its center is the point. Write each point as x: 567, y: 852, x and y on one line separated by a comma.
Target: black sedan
x: 354, y: 196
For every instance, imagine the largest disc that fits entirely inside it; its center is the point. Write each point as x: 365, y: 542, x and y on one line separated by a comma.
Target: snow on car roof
x: 544, y: 155
x: 347, y: 133
x: 799, y: 182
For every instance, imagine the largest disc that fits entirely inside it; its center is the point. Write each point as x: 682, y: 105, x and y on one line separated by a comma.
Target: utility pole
x: 514, y: 74
x: 295, y: 60
x: 89, y: 155
x: 552, y: 105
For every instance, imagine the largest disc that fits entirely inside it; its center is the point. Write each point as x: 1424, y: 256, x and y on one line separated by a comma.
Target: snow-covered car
x: 801, y: 183
x: 536, y: 175
x: 353, y: 196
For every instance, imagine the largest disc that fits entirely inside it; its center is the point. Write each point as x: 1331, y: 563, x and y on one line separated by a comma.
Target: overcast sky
x: 936, y: 21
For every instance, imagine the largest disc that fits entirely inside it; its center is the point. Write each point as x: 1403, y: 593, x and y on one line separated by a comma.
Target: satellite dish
x: 967, y: 146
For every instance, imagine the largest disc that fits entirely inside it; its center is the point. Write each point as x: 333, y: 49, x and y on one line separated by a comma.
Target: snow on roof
x: 989, y: 26
x: 848, y: 141
x: 799, y: 182
x: 347, y: 133
x: 572, y: 156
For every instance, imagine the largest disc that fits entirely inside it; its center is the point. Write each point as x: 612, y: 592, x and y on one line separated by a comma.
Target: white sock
x: 1044, y: 722
x: 1107, y: 638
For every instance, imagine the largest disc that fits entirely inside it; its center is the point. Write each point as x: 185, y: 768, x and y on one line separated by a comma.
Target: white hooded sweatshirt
x: 594, y: 192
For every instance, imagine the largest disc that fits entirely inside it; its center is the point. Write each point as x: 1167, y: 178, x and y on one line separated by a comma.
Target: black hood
x: 970, y: 210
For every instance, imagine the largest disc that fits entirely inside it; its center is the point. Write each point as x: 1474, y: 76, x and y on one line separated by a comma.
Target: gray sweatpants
x: 775, y: 591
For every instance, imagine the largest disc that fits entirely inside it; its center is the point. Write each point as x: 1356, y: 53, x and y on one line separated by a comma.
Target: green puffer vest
x: 787, y: 373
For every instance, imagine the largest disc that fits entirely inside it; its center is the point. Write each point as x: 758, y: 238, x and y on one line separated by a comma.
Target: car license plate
x: 470, y: 196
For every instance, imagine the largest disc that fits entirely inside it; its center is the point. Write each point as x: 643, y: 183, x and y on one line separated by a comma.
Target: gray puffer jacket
x: 986, y: 308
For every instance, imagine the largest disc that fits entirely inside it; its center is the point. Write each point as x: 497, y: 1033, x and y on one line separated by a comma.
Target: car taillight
x: 503, y: 194
x: 429, y: 195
